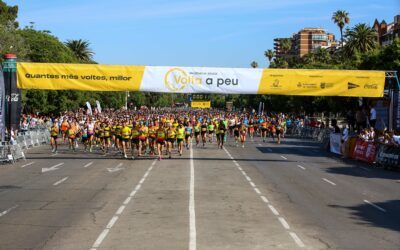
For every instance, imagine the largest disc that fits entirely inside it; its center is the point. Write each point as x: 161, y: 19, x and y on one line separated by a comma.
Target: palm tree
x: 322, y: 55
x: 254, y: 64
x: 361, y: 38
x: 286, y: 45
x: 341, y: 18
x: 269, y: 54
x: 81, y: 49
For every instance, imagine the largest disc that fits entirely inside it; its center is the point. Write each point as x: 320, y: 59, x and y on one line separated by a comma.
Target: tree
x: 286, y: 45
x: 81, y: 49
x: 270, y: 54
x: 8, y: 15
x: 254, y: 64
x: 341, y: 18
x: 360, y: 38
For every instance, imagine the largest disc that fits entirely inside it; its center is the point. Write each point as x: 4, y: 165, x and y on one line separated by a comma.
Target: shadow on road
x: 353, y: 170
x: 367, y: 215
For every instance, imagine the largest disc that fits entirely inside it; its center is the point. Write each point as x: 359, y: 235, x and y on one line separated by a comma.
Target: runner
x: 222, y: 131
x: 204, y: 132
x: 135, y: 140
x: 64, y: 128
x: 125, y: 137
x: 197, y: 131
x: 243, y: 133
x: 188, y: 135
x: 107, y: 137
x: 71, y: 133
x: 161, y: 136
x: 54, y: 134
x: 171, y: 137
x: 180, y: 135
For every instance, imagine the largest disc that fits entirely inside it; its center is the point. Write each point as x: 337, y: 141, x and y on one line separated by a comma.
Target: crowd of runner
x: 147, y: 132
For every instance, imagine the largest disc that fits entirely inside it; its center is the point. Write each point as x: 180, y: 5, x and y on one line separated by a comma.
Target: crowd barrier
x: 386, y: 156
x: 17, y: 147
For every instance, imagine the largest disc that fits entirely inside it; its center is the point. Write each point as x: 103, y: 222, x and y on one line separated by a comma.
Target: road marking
x: 300, y: 166
x: 55, y: 167
x: 284, y: 223
x: 192, y: 212
x: 252, y: 184
x: 248, y: 178
x: 114, y: 169
x: 240, y: 168
x: 87, y: 165
x: 259, y: 144
x: 274, y: 211
x: 28, y: 164
x: 257, y: 190
x: 264, y: 198
x: 8, y: 210
x: 60, y: 181
x: 114, y: 219
x: 375, y: 206
x: 120, y: 210
x: 283, y: 157
x: 112, y: 222
x: 330, y: 182
x: 297, y: 239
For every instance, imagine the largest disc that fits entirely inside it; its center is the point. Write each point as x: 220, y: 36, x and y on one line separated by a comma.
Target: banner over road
x: 95, y: 77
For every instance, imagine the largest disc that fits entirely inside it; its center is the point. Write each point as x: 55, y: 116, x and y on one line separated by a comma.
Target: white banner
x: 89, y: 107
x: 201, y: 80
x: 98, y: 106
x: 335, y: 143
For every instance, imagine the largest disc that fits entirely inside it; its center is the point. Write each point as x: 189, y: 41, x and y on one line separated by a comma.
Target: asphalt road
x: 264, y: 196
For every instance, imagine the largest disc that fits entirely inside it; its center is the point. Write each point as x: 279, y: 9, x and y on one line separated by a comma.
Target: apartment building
x: 306, y: 41
x: 387, y: 32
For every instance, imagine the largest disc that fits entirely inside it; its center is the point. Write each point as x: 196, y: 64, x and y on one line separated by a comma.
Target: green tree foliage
x: 270, y: 54
x: 341, y: 18
x: 81, y: 49
x: 254, y: 64
x: 361, y: 38
x: 8, y: 15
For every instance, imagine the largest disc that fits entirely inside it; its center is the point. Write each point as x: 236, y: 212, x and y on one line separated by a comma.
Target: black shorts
x: 85, y: 139
x: 231, y: 127
x: 264, y: 129
x: 162, y: 143
x: 203, y: 133
x: 179, y: 140
x: 187, y: 136
x: 236, y: 133
x: 211, y: 132
x: 135, y: 141
x: 124, y: 139
x: 54, y: 137
x: 171, y: 140
x: 196, y: 134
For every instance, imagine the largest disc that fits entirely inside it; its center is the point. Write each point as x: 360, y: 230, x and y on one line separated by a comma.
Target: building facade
x: 386, y: 33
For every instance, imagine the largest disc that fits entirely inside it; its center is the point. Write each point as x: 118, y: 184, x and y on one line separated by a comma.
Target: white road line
x: 300, y: 166
x: 375, y: 206
x: 114, y: 219
x: 366, y: 169
x: 264, y: 198
x: 259, y: 144
x: 8, y: 210
x: 120, y: 210
x: 28, y: 164
x: 240, y: 168
x: 297, y: 239
x: 87, y: 165
x: 330, y: 182
x: 192, y: 213
x: 60, y: 181
x: 257, y: 190
x: 284, y: 223
x: 127, y: 200
x: 283, y: 157
x: 274, y: 211
x: 248, y: 178
x: 112, y: 222
x: 252, y: 184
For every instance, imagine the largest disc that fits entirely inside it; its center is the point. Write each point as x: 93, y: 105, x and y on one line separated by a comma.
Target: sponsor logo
x: 177, y: 79
x: 305, y: 85
x: 352, y: 85
x: 326, y: 85
x: 276, y: 84
x: 370, y: 86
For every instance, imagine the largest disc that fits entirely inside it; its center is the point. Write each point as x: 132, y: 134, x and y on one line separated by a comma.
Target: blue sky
x: 214, y: 33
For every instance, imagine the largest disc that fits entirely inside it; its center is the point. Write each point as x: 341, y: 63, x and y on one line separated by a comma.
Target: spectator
x: 361, y: 119
x: 372, y: 116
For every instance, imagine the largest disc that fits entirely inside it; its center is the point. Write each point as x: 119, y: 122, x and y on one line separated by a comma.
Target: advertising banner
x: 94, y: 77
x: 388, y: 156
x: 364, y: 151
x: 335, y: 143
x: 201, y: 104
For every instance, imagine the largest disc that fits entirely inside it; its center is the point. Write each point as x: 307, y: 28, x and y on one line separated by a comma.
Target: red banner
x: 364, y: 151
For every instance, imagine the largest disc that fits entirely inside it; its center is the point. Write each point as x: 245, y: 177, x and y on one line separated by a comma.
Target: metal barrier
x: 16, y: 149
x: 318, y: 134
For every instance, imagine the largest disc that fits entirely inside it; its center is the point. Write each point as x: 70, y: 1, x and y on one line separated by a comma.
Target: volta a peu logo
x: 177, y: 79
